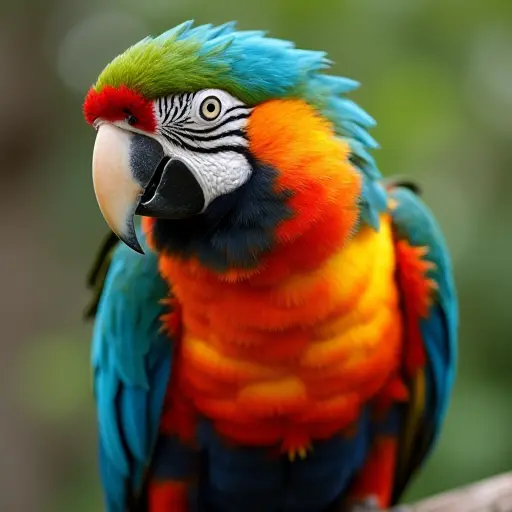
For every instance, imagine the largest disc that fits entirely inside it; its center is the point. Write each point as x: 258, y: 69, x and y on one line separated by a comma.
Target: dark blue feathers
x: 251, y: 479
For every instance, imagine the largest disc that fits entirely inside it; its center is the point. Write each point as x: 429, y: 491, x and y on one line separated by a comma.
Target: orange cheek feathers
x: 313, y: 164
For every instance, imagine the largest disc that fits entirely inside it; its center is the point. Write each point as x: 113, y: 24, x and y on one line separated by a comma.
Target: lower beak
x: 131, y: 175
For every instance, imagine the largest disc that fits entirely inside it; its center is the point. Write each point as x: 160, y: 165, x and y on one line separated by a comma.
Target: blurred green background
x: 436, y: 74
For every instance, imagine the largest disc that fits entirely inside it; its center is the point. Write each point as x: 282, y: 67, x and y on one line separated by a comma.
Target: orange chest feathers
x: 293, y: 362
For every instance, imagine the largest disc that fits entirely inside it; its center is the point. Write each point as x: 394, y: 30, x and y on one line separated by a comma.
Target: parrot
x: 274, y: 322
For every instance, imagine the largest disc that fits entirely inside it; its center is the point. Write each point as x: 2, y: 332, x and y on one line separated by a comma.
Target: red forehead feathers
x: 116, y: 104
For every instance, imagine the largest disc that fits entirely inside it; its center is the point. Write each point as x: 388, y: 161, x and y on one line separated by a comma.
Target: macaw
x: 279, y: 332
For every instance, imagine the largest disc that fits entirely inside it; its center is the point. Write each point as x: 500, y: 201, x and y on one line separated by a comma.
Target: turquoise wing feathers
x: 431, y: 387
x: 131, y: 359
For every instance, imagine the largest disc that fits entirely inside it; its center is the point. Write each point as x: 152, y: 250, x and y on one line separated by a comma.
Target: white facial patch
x: 206, y: 130
x: 217, y: 173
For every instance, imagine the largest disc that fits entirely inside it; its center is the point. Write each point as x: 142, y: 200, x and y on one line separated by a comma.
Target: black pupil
x: 210, y: 107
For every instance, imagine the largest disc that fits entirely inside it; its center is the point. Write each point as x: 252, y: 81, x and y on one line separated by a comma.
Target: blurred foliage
x: 436, y: 75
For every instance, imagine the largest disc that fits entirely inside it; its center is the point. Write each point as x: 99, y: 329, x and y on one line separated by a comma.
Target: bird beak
x: 132, y: 175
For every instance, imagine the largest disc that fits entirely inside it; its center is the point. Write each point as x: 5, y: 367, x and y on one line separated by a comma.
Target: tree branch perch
x: 491, y: 495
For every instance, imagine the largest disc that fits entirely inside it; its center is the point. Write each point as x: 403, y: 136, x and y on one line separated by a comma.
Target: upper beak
x: 132, y: 175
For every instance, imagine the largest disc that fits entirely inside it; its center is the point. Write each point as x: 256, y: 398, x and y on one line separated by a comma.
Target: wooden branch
x: 490, y: 495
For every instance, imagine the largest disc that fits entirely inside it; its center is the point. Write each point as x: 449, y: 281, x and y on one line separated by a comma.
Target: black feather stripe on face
x: 177, y: 123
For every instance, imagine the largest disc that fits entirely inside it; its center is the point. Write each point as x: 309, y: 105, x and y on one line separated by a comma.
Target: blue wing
x: 131, y: 359
x: 431, y: 387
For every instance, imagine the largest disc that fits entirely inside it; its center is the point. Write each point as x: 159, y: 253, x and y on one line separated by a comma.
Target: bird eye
x: 130, y: 118
x: 210, y: 108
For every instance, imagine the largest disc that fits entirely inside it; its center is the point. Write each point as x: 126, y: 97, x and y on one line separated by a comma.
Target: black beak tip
x: 132, y: 243
x: 138, y: 249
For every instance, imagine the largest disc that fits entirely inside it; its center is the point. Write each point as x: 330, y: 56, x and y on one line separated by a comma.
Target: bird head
x: 232, y: 143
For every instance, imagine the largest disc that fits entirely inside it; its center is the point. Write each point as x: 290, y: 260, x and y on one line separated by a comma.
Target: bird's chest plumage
x: 295, y: 362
